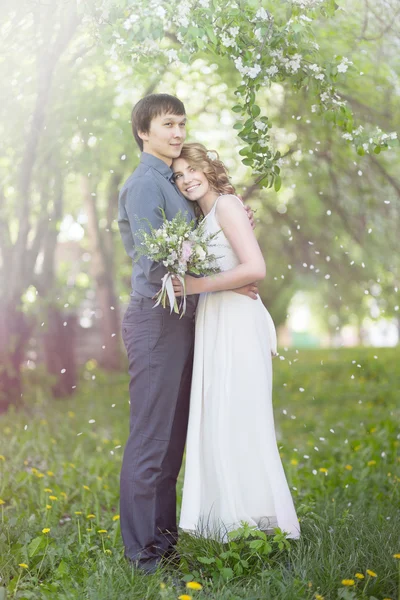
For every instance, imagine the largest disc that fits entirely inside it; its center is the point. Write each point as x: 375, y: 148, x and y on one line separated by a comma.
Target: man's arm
x: 143, y: 202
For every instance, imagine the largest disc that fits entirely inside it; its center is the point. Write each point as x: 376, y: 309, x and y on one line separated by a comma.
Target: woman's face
x: 193, y: 184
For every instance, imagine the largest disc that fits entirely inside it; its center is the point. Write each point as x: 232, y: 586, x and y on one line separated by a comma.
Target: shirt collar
x: 158, y: 165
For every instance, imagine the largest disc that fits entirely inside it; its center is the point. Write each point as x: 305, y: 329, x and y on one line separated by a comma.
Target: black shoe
x: 146, y: 566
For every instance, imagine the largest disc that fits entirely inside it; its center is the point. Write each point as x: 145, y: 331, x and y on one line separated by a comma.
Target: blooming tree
x: 272, y: 43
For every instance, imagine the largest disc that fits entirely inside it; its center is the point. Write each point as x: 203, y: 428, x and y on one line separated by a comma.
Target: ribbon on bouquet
x: 167, y: 291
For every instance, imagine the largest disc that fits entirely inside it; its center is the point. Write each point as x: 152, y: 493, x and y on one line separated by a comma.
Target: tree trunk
x: 15, y: 330
x: 102, y: 271
x: 59, y: 351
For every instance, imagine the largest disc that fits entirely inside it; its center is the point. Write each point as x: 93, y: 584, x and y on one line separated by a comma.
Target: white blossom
x: 272, y: 70
x: 262, y: 14
x: 160, y: 12
x: 347, y: 136
x: 320, y: 76
x: 260, y: 125
x: 227, y: 41
x: 204, y: 3
x: 252, y: 72
x: 171, y: 54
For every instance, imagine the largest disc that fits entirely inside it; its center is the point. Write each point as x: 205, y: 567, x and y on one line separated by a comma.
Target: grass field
x: 337, y: 416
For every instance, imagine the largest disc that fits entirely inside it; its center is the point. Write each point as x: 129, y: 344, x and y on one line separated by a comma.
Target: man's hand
x: 250, y: 290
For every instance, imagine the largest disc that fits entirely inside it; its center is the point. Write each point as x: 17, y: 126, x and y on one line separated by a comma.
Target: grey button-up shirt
x: 149, y: 188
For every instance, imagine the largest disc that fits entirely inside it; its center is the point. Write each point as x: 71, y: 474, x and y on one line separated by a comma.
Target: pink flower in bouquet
x: 187, y: 250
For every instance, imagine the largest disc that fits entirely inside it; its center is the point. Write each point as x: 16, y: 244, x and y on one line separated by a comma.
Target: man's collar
x: 157, y: 164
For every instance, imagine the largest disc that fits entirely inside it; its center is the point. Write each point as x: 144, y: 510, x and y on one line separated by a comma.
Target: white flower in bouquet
x: 182, y: 248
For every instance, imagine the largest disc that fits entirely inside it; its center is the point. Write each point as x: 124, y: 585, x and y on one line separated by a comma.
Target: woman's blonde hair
x: 208, y: 161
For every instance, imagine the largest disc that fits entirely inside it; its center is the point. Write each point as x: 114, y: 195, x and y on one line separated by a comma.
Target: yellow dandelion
x: 396, y: 555
x: 371, y: 573
x: 372, y: 430
x: 48, y: 506
x: 370, y: 463
x: 53, y: 498
x: 86, y: 487
x: 99, y: 478
x: 89, y: 529
x: 349, y: 467
x: 294, y: 462
x: 102, y: 531
x: 106, y: 487
x: 48, y: 490
x: 116, y: 518
x: 162, y: 586
x: 71, y: 414
x: 91, y: 516
x: 184, y: 597
x: 356, y: 448
x: 78, y: 512
x: 50, y: 473
x: 359, y: 576
x: 34, y: 470
x: 2, y: 457
x: 23, y: 566
x: 348, y: 582
x: 43, y: 421
x: 46, y: 530
x: 2, y: 501
x: 319, y: 597
x: 72, y: 465
x: 323, y: 470
x: 40, y: 475
x: 63, y: 494
x: 193, y: 585
x: 25, y: 462
x: 107, y: 551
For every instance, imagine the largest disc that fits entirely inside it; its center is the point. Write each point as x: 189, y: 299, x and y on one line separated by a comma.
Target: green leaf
x: 255, y: 110
x: 377, y: 150
x: 238, y: 125
x: 237, y: 108
x: 247, y: 161
x: 360, y: 151
x: 36, y: 544
x: 245, y: 151
x: 227, y: 573
x: 277, y: 183
x: 205, y: 560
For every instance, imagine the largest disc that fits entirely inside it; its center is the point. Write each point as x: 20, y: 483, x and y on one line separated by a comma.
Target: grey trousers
x: 160, y: 353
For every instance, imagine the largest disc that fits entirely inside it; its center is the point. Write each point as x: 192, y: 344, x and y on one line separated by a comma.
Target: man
x: 159, y: 344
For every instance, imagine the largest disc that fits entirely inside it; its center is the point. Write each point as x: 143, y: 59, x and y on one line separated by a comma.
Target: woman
x: 233, y: 469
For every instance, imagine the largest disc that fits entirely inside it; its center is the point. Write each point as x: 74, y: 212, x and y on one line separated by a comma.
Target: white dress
x: 233, y: 471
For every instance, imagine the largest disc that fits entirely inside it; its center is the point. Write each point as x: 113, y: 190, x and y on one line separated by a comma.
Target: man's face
x: 165, y: 137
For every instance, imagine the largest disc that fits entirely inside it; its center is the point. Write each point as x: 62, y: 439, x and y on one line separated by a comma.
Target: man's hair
x: 152, y: 106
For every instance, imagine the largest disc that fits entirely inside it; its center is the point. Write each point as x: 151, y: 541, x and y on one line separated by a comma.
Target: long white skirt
x: 233, y: 470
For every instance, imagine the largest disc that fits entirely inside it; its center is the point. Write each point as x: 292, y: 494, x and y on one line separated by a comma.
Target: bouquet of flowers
x: 182, y: 248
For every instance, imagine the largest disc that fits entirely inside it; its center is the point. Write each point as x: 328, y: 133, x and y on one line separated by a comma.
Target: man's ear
x: 144, y: 136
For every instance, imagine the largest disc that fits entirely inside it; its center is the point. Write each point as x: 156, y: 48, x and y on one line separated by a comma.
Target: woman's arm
x: 237, y: 228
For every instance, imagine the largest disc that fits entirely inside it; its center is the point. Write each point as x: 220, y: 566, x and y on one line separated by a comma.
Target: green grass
x: 339, y: 440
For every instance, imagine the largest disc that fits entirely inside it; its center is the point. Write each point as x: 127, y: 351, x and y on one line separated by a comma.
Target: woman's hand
x: 189, y: 285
